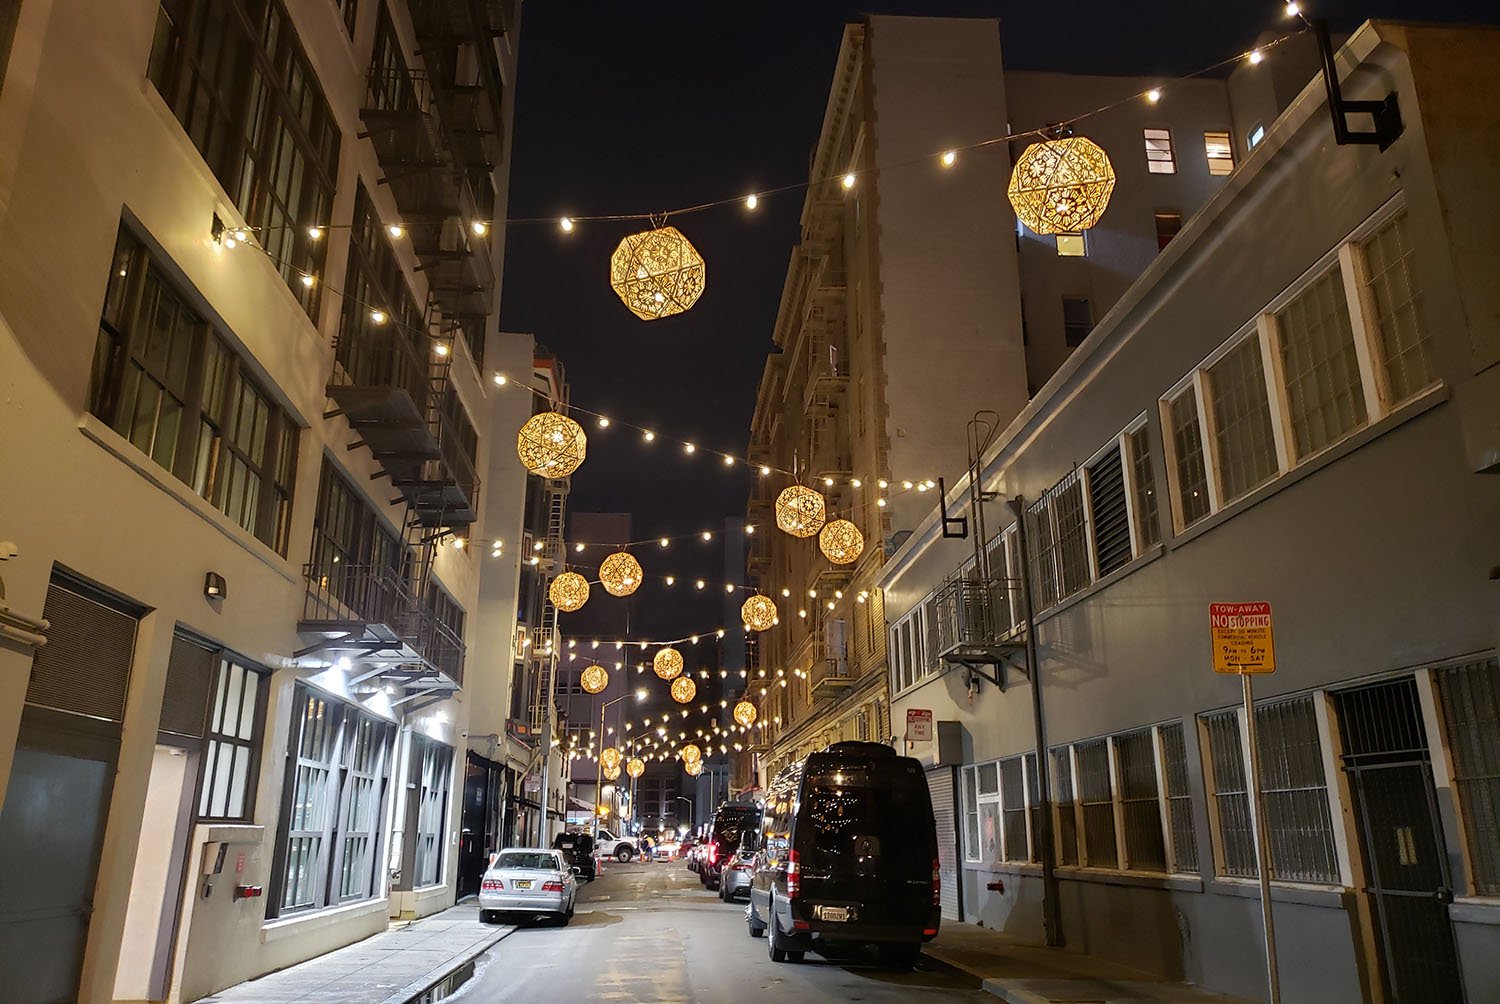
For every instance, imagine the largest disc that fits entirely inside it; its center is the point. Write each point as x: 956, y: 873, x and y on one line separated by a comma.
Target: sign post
x: 1243, y: 645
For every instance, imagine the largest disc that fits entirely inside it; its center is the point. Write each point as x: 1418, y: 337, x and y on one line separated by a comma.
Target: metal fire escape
x: 545, y: 642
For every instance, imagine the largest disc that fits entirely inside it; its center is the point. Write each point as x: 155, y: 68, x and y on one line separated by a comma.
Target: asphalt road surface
x: 651, y: 932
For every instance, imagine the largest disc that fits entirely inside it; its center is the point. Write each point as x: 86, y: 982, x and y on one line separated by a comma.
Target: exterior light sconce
x: 214, y: 586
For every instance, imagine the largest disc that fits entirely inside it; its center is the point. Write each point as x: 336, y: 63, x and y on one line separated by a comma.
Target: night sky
x: 644, y: 107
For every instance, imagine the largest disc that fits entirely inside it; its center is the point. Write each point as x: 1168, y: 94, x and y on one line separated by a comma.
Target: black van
x: 849, y: 854
x: 730, y: 822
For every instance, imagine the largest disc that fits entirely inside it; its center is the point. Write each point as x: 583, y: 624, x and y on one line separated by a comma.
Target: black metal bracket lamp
x: 214, y: 586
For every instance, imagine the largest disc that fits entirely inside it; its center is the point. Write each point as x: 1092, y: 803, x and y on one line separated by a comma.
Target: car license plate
x: 834, y: 913
x: 523, y: 884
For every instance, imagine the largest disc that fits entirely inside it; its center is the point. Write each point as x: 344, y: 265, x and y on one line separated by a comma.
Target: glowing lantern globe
x: 594, y: 679
x: 620, y: 574
x: 841, y: 542
x: 693, y: 769
x: 744, y: 713
x: 1061, y: 185
x: 635, y: 767
x: 657, y: 273
x: 691, y: 753
x: 799, y: 511
x: 551, y: 445
x: 569, y: 591
x: 758, y: 613
x: 611, y: 773
x: 667, y: 663
x: 684, y: 689
x: 609, y: 757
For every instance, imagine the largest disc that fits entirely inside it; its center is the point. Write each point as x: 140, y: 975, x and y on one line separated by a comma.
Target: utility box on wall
x: 946, y: 748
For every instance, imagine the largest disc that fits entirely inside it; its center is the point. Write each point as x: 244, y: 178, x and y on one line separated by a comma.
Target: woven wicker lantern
x: 609, y: 757
x: 800, y: 511
x: 635, y: 766
x: 551, y: 445
x: 684, y: 689
x: 594, y: 679
x: 667, y: 663
x: 611, y: 773
x: 620, y: 574
x: 1061, y: 185
x: 657, y: 273
x: 758, y: 613
x: 841, y: 542
x: 569, y: 592
x: 690, y: 753
x: 693, y: 769
x: 744, y: 713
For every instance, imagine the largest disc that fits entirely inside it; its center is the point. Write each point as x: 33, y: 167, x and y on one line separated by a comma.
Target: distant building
x: 1295, y: 403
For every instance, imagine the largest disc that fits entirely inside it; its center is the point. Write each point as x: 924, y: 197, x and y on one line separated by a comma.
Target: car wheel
x: 900, y: 955
x: 776, y: 949
x: 756, y: 928
x: 486, y: 916
x: 561, y: 919
x: 623, y: 854
x: 722, y: 897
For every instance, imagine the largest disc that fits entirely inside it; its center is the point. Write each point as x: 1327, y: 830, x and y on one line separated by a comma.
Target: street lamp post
x: 692, y: 820
x: 598, y: 765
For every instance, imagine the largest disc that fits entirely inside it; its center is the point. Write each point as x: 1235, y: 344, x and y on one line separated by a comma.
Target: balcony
x: 973, y: 622
x: 409, y: 417
x: 830, y: 677
x: 371, y: 612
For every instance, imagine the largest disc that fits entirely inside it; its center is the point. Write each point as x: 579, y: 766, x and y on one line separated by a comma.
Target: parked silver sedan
x: 528, y: 880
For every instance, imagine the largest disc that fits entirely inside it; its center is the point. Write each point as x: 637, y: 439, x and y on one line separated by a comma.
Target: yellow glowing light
x: 751, y: 202
x: 567, y: 224
x: 569, y: 592
x: 635, y: 767
x: 396, y: 231
x: 949, y: 157
x: 551, y: 445
x: 800, y: 511
x: 744, y: 713
x: 758, y: 613
x: 609, y: 757
x: 684, y: 689
x: 657, y: 273
x: 693, y: 769
x: 667, y: 663
x: 594, y: 679
x: 620, y: 574
x: 1061, y: 185
x: 690, y: 753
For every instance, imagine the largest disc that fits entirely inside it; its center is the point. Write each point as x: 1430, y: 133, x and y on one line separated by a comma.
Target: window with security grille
x: 1067, y: 815
x: 1187, y: 447
x: 1110, y: 517
x: 1470, y: 696
x: 1405, y: 345
x: 1220, y: 153
x: 1058, y: 522
x: 1325, y: 398
x: 1143, y: 487
x: 432, y: 764
x: 1096, y: 802
x: 1043, y: 556
x: 1231, y: 798
x: 1014, y: 846
x: 1179, y: 798
x: 1295, y: 792
x: 1159, y: 158
x: 1244, y: 445
x: 1140, y: 804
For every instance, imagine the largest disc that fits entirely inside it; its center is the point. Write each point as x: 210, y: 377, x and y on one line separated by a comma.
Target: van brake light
x: 713, y: 853
x: 793, y: 875
x: 937, y: 882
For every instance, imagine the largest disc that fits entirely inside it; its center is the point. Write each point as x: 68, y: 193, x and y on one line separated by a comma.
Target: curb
x: 427, y: 981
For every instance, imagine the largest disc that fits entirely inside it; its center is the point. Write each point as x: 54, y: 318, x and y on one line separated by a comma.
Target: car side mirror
x: 576, y: 870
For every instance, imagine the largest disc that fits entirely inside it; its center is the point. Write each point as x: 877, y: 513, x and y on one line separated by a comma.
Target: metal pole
x: 1262, y: 843
x: 599, y: 768
x: 547, y: 736
x: 1051, y: 924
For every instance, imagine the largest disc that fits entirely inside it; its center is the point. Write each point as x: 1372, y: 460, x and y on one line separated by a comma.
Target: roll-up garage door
x: 940, y: 785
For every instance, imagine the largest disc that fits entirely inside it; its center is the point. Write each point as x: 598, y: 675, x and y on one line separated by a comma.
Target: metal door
x: 940, y: 785
x: 1390, y: 780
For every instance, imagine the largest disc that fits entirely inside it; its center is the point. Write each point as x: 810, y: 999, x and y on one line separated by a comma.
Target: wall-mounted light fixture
x: 214, y: 586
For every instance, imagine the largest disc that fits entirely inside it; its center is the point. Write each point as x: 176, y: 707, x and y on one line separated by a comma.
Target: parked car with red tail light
x: 730, y: 822
x: 848, y: 854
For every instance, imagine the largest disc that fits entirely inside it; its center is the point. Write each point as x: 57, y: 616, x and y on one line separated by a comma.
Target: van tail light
x: 937, y: 882
x: 492, y: 885
x: 551, y: 887
x: 793, y: 875
x: 713, y: 853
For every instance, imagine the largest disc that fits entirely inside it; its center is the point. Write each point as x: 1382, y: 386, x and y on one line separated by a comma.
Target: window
x: 232, y: 755
x: 1244, y: 445
x: 1096, y: 805
x: 1013, y: 807
x: 1293, y: 789
x: 237, y: 79
x: 390, y: 352
x: 431, y: 767
x: 1159, y: 159
x: 1393, y: 299
x: 1067, y: 816
x: 1167, y: 226
x: 1179, y: 799
x: 1140, y: 803
x: 338, y: 779
x: 1110, y: 517
x: 1256, y: 135
x: 1143, y: 487
x: 1470, y: 698
x: 165, y: 380
x: 1220, y: 153
x: 1071, y: 245
x: 1323, y: 389
x: 996, y: 810
x: 1078, y: 320
x: 972, y: 851
x: 358, y: 565
x: 1187, y: 449
x: 349, y: 11
x: 1060, y: 561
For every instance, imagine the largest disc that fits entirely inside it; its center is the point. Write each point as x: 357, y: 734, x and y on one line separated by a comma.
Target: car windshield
x: 730, y: 825
x: 527, y: 859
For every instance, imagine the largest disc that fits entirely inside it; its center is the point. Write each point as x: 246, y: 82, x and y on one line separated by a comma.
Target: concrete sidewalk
x: 389, y: 968
x: 1030, y: 974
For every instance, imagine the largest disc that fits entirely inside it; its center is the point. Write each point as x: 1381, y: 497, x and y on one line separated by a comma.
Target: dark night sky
x: 642, y: 107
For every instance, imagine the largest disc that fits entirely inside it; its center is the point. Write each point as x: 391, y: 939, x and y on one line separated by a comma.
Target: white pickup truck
x: 611, y: 846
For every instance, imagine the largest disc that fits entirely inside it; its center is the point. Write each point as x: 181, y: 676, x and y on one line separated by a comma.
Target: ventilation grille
x: 190, y: 673
x: 1111, y: 520
x: 85, y: 666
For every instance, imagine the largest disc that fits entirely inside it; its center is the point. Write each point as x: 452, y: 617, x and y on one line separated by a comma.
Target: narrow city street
x: 651, y: 932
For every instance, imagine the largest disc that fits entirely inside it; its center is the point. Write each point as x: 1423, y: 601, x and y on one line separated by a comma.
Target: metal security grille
x: 1245, y: 447
x: 1179, y: 798
x: 190, y: 674
x: 1321, y: 368
x: 1096, y: 800
x: 1111, y: 517
x: 1147, y: 517
x: 1013, y: 810
x: 940, y: 787
x: 1295, y: 793
x: 1187, y: 445
x: 1470, y: 696
x: 1231, y: 799
x: 1397, y: 299
x: 1140, y: 809
x: 85, y: 666
x: 1067, y: 819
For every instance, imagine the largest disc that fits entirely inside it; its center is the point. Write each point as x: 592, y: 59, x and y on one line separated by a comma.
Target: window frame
x: 1223, y: 165
x: 1163, y: 134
